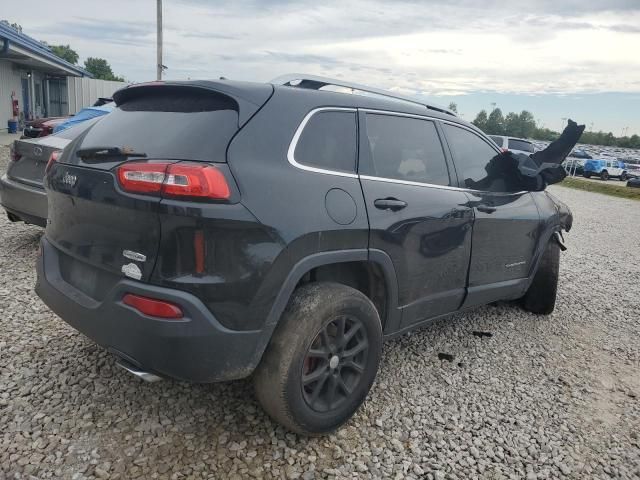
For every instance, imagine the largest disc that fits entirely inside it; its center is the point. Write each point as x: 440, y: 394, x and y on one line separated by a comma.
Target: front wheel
x: 322, y: 359
x: 540, y: 298
x: 623, y: 177
x: 587, y: 174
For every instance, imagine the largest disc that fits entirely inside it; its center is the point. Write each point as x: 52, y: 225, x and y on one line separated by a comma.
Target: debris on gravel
x: 542, y: 397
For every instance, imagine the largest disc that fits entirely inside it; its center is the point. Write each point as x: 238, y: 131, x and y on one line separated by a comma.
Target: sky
x: 558, y: 59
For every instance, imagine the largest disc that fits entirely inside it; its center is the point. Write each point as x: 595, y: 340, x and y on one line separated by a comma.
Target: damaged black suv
x: 212, y: 230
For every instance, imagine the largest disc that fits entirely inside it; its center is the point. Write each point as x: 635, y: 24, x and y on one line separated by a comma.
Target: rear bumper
x: 27, y: 202
x: 196, y: 348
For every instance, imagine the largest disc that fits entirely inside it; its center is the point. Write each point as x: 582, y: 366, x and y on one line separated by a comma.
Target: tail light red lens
x: 13, y: 155
x: 174, y: 179
x: 55, y: 155
x: 153, y: 307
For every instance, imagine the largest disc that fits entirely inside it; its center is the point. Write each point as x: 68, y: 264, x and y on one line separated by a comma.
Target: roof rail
x: 314, y: 82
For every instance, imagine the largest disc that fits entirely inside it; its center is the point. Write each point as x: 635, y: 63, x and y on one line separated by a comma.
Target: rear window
x: 175, y: 124
x: 522, y: 145
x: 498, y: 140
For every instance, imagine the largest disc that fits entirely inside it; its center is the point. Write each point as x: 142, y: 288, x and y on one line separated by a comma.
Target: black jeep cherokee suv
x: 210, y: 230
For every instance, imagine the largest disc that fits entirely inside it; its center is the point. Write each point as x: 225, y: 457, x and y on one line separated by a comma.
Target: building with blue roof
x: 36, y: 83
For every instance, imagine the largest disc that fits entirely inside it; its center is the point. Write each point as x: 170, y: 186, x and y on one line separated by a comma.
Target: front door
x: 415, y: 216
x: 506, y: 226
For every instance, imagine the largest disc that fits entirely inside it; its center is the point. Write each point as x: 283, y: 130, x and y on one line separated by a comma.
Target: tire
x: 623, y: 177
x: 540, y: 298
x: 587, y: 174
x: 604, y: 175
x: 313, y: 318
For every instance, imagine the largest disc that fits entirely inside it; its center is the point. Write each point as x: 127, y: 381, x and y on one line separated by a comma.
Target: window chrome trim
x: 305, y: 120
x: 296, y: 138
x: 408, y: 182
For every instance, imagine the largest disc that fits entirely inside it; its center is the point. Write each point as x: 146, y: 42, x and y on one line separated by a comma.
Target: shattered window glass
x: 471, y: 156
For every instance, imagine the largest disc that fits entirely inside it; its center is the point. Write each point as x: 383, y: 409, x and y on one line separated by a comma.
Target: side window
x: 405, y: 149
x: 473, y: 158
x: 328, y: 141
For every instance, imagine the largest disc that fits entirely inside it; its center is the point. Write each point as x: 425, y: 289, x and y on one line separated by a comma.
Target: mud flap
x: 560, y: 240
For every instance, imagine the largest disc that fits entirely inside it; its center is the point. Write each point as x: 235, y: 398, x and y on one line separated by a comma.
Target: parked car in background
x: 605, y: 168
x: 580, y: 154
x: 515, y: 145
x: 283, y: 232
x: 634, y: 183
x: 84, y: 115
x: 22, y: 192
x: 41, y: 127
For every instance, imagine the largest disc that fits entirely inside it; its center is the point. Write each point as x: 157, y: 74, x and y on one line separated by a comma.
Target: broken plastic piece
x: 446, y: 356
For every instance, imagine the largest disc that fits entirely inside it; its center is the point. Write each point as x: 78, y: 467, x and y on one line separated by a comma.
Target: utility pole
x: 159, y: 41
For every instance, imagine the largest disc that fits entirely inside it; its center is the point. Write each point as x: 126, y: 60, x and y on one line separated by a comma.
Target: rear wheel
x: 540, y: 298
x: 604, y: 175
x: 322, y: 359
x: 587, y: 174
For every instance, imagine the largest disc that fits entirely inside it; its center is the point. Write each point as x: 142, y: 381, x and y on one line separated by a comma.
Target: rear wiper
x: 98, y: 152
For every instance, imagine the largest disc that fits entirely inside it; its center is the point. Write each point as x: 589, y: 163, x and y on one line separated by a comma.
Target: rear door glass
x: 404, y: 148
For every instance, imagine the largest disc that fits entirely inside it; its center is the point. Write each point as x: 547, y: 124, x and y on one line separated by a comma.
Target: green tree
x: 495, y: 122
x: 101, y: 69
x: 453, y: 107
x: 527, y: 124
x: 66, y: 53
x: 512, y: 124
x: 481, y: 120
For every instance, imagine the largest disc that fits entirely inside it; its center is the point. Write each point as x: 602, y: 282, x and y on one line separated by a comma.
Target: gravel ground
x: 543, y: 397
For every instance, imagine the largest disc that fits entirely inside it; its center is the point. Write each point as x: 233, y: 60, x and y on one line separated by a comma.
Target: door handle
x: 486, y: 208
x: 459, y: 212
x: 392, y: 204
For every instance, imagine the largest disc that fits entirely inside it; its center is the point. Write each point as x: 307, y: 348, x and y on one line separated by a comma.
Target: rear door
x: 506, y: 225
x: 415, y: 216
x: 98, y: 226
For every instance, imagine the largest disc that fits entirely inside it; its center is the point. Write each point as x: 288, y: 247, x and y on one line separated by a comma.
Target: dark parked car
x: 208, y: 230
x: 21, y: 188
x: 41, y: 127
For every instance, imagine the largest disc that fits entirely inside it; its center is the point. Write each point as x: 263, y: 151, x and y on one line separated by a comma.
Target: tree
x: 512, y: 125
x: 453, y: 107
x: 527, y: 124
x: 101, y: 69
x: 495, y: 122
x: 481, y: 120
x: 66, y: 53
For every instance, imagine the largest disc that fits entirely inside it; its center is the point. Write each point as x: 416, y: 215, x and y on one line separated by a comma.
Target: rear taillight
x: 174, y: 179
x: 53, y: 158
x: 153, y: 307
x: 13, y: 154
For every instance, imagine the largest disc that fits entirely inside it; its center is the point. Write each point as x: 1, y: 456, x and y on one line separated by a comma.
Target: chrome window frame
x: 305, y: 120
x: 300, y: 129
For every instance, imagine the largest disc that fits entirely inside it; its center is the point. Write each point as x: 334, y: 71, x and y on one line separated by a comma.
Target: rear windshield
x: 175, y: 124
x: 520, y: 145
x: 498, y: 140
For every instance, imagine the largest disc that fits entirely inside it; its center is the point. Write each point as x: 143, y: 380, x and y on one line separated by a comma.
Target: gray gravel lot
x: 543, y: 397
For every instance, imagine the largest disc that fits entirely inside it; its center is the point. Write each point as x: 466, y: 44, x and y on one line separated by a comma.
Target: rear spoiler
x: 250, y: 97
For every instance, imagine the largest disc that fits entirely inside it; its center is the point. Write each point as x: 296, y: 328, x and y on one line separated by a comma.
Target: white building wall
x: 9, y: 82
x: 83, y: 92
